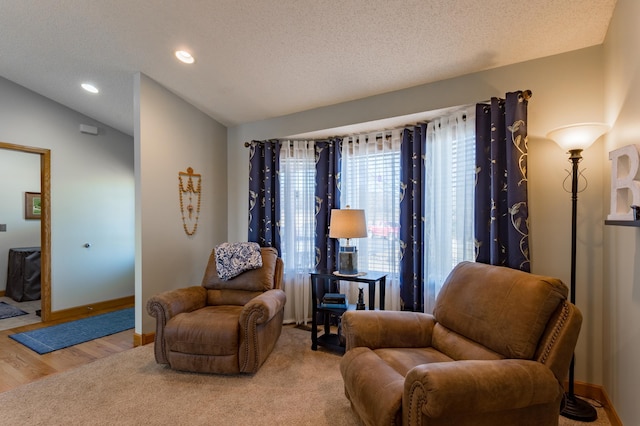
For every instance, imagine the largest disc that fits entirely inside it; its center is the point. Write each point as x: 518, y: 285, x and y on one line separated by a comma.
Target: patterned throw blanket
x: 232, y: 259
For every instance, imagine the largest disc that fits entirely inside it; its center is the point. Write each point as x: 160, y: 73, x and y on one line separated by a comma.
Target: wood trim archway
x: 45, y: 223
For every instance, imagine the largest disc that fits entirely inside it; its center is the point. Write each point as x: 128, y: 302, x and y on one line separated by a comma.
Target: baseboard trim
x: 597, y: 393
x: 143, y: 339
x: 94, y: 308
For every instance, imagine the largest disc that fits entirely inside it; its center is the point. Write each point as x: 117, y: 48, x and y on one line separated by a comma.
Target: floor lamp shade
x: 574, y: 139
x: 577, y: 136
x: 347, y: 223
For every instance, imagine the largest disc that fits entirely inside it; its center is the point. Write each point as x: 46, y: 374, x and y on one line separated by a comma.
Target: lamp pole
x: 575, y: 138
x: 575, y: 408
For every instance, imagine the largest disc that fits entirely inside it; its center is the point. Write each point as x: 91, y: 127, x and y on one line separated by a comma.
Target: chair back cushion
x: 503, y: 309
x: 231, y: 297
x: 261, y: 279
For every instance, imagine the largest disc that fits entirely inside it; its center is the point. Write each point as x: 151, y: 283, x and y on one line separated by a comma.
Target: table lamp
x: 347, y: 223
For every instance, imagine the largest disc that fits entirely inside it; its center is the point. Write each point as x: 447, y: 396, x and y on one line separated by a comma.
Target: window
x: 297, y: 220
x: 370, y: 180
x: 297, y: 225
x: 449, y: 198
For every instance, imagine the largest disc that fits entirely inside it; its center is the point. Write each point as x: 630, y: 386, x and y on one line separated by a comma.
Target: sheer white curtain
x: 449, y: 195
x: 370, y: 179
x: 297, y: 185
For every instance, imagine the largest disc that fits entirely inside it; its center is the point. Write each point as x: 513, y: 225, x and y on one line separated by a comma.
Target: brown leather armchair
x: 495, y: 352
x: 226, y: 327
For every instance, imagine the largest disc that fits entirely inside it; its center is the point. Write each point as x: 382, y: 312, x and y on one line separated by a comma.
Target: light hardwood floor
x: 20, y: 365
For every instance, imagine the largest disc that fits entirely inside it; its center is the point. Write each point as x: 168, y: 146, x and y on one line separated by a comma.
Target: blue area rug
x: 49, y: 339
x: 10, y: 311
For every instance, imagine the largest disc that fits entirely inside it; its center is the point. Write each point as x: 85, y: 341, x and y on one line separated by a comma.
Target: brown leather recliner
x: 495, y: 352
x: 225, y: 327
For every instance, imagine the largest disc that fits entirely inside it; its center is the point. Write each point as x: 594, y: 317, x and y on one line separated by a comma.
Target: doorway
x: 45, y: 223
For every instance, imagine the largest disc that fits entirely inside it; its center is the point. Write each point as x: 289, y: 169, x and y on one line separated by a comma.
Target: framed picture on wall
x: 32, y: 205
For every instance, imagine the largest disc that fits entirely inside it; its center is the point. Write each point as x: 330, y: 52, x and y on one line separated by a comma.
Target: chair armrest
x: 263, y: 308
x: 260, y: 327
x: 451, y: 388
x: 387, y: 329
x: 165, y: 306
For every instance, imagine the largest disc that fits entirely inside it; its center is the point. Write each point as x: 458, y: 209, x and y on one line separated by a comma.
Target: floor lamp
x: 574, y: 139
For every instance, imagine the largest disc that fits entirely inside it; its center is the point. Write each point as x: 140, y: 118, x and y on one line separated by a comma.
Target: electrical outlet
x: 3, y: 227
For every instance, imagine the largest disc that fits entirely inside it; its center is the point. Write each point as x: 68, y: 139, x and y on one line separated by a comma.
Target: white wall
x: 92, y: 190
x: 19, y: 173
x: 566, y: 88
x: 622, y: 244
x: 170, y: 136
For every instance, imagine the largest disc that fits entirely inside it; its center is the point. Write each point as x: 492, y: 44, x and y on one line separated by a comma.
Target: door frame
x: 45, y: 223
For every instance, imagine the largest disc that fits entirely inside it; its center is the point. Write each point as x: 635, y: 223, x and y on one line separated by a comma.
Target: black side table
x: 327, y: 282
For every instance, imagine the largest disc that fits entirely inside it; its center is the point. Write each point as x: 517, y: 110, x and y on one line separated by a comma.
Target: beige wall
x: 622, y: 244
x: 566, y: 88
x: 595, y: 84
x: 170, y: 136
x: 92, y: 196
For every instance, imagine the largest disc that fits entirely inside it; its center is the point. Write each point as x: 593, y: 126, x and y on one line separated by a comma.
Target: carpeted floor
x: 295, y: 386
x: 602, y: 419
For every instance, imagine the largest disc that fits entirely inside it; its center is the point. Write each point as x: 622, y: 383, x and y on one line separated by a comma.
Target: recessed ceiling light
x: 89, y: 88
x: 185, y: 56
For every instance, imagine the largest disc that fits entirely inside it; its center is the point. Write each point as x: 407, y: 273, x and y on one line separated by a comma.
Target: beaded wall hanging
x: 190, y: 223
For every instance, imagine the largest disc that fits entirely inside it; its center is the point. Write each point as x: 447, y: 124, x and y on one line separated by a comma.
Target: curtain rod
x: 526, y: 94
x: 379, y: 135
x: 248, y: 144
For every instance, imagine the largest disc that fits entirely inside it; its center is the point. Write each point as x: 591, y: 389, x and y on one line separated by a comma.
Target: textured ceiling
x: 265, y: 58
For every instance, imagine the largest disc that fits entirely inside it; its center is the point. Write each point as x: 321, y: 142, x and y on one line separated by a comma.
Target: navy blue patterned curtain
x: 502, y: 215
x: 412, y: 218
x: 264, y: 193
x: 328, y: 157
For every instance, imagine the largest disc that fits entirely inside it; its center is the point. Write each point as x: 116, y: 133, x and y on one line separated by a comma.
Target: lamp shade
x: 577, y: 136
x: 347, y: 223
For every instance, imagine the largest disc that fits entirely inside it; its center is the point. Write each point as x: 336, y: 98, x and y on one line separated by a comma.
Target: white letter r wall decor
x: 625, y: 182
